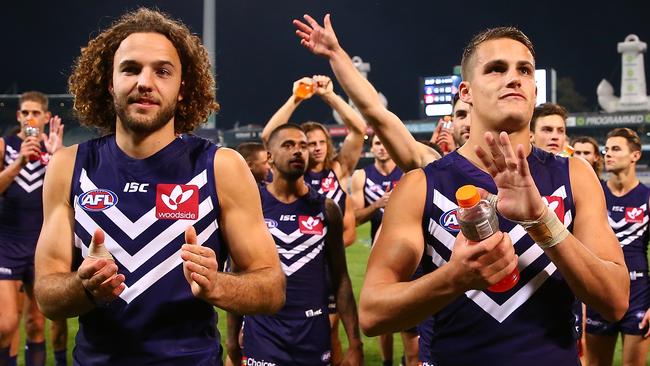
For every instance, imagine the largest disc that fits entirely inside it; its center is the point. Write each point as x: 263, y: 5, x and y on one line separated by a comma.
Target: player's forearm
x: 234, y: 322
x: 8, y: 174
x: 602, y: 285
x: 61, y: 295
x: 260, y: 291
x: 351, y: 119
x: 381, y: 310
x: 347, y: 308
x: 357, y: 87
x: 281, y: 116
x: 364, y: 214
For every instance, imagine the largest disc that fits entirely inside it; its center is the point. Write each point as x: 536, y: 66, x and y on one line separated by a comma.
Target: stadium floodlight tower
x: 633, y: 86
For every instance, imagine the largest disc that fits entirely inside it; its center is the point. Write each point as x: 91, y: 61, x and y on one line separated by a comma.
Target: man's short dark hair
x: 34, y: 96
x: 487, y: 35
x: 249, y: 149
x: 633, y: 140
x: 548, y: 109
x: 287, y: 126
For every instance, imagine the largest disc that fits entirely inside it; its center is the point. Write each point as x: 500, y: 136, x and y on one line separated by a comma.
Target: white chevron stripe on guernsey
x: 498, y: 312
x: 286, y: 238
x: 133, y: 262
x: 32, y: 176
x: 289, y: 270
x: 146, y: 281
x: 501, y: 312
x: 29, y: 188
x: 288, y: 254
x: 634, y: 227
x: 162, y: 269
x: 443, y: 203
x: 130, y: 228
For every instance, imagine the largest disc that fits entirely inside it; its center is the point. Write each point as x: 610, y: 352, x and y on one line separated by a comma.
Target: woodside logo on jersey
x: 177, y: 202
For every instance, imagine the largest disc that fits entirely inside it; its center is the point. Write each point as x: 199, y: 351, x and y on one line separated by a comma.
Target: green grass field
x: 357, y: 256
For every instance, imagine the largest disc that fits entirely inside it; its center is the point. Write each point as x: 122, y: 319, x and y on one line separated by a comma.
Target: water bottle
x: 304, y: 90
x: 31, y: 131
x: 478, y: 221
x: 447, y: 125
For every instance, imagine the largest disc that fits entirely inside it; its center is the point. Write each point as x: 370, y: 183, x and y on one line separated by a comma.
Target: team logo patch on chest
x: 634, y: 214
x: 556, y: 204
x: 177, y: 202
x: 328, y: 184
x: 97, y: 200
x: 449, y: 221
x: 310, y: 225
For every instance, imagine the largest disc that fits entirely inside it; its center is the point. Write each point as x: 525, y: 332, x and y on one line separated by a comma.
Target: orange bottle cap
x: 467, y: 196
x: 31, y: 122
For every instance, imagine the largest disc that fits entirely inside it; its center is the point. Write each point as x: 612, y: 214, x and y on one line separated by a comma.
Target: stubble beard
x: 144, y: 125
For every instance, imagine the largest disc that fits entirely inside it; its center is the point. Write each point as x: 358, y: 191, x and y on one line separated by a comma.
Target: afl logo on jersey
x: 449, y: 221
x: 270, y: 223
x: 97, y: 200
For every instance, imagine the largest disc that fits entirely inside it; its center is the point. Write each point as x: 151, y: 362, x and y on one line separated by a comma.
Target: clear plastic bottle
x: 32, y: 131
x: 304, y: 90
x: 478, y: 221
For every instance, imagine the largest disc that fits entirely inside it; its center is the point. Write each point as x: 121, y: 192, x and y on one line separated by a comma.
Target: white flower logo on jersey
x: 310, y: 222
x: 176, y: 197
x: 310, y: 225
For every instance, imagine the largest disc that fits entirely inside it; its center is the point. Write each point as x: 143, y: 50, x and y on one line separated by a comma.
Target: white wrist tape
x: 547, y: 231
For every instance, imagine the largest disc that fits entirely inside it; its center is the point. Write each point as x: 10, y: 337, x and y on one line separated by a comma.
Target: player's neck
x: 385, y: 167
x: 141, y: 146
x: 620, y: 183
x: 285, y: 190
x: 317, y: 167
x: 477, y: 138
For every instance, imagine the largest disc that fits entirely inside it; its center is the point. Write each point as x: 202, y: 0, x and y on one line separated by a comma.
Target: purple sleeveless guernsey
x: 299, y: 333
x: 21, y: 207
x: 628, y: 217
x: 374, y: 187
x: 327, y: 183
x: 144, y: 207
x: 532, y: 324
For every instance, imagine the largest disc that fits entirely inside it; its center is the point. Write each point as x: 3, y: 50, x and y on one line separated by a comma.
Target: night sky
x: 258, y: 56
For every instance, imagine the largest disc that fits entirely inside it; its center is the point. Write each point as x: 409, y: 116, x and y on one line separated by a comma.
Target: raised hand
x: 199, y: 266
x: 303, y: 88
x: 319, y: 40
x: 323, y: 85
x: 517, y: 197
x: 54, y: 141
x: 99, y: 275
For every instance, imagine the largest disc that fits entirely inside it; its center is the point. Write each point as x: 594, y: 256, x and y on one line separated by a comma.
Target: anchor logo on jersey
x: 310, y: 225
x: 328, y: 184
x: 177, y: 202
x: 556, y: 204
x: 634, y: 214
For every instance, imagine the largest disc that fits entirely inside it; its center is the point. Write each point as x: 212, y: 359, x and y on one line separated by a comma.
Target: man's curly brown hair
x: 93, y: 71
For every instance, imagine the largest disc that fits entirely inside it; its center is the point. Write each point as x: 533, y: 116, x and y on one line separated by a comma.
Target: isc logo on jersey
x: 449, y: 221
x: 97, y: 200
x: 177, y: 202
x: 634, y: 214
x: 310, y: 225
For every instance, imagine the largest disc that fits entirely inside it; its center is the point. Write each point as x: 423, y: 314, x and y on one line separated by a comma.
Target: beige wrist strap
x: 547, y: 231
